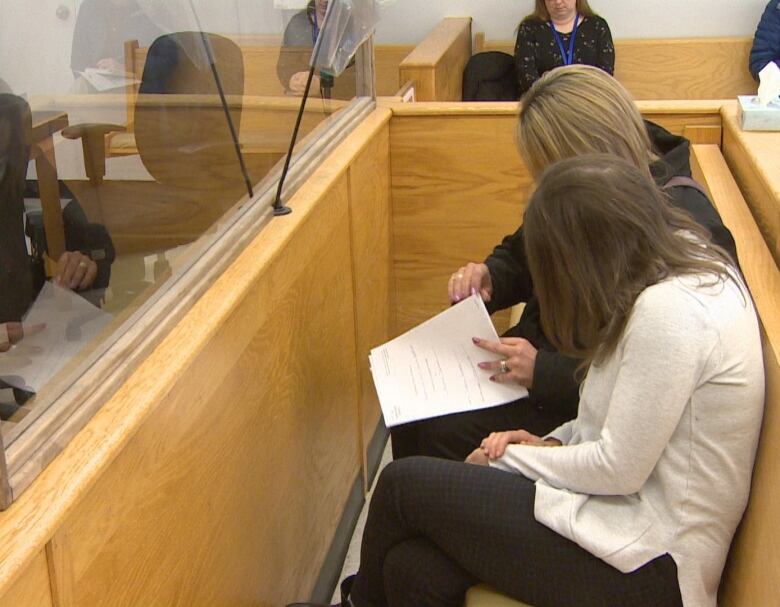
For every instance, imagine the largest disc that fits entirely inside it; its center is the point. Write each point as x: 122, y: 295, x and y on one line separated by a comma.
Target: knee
x: 403, y: 472
x: 416, y: 572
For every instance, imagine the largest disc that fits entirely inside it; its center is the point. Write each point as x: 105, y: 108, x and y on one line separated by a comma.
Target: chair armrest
x: 93, y: 143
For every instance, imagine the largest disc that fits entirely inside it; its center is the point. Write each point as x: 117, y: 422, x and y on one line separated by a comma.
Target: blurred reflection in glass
x: 300, y: 35
x: 84, y: 267
x: 102, y: 27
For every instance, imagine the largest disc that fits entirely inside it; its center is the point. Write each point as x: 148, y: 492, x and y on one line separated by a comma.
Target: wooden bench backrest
x: 261, y: 56
x: 754, y: 564
x: 436, y: 64
x: 676, y: 68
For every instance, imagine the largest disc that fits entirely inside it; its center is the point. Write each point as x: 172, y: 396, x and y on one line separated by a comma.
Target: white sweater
x: 660, y: 457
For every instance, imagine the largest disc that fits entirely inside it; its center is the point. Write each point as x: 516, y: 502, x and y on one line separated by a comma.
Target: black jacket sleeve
x: 556, y: 389
x: 699, y: 206
x: 509, y: 273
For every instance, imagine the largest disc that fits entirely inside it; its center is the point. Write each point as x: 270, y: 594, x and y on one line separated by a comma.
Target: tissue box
x: 757, y: 118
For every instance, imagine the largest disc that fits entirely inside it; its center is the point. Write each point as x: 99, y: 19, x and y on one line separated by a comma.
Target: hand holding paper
x: 433, y: 370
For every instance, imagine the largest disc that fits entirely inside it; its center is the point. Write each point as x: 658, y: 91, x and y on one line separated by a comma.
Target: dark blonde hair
x: 597, y: 233
x: 580, y: 109
x: 542, y: 14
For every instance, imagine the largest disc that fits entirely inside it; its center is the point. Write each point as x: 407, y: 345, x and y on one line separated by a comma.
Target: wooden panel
x: 458, y: 187
x: 32, y: 589
x: 680, y: 68
x: 372, y: 263
x: 247, y: 458
x: 436, y: 64
x: 754, y: 564
x: 387, y: 61
x: 217, y: 473
x: 145, y: 217
x: 754, y: 160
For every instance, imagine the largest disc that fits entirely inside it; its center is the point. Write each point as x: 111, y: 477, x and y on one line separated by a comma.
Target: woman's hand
x: 478, y: 458
x: 471, y: 278
x: 11, y: 333
x: 494, y: 446
x: 75, y: 271
x: 518, y: 364
x: 110, y: 64
x: 297, y: 85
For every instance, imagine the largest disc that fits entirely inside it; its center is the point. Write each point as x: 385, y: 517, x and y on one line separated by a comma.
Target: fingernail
x: 473, y: 291
x: 476, y: 340
x: 493, y: 378
x: 484, y: 365
x: 457, y: 298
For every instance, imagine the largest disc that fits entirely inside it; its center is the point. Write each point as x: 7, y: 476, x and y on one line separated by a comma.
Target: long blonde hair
x: 598, y: 232
x: 580, y: 109
x: 542, y: 14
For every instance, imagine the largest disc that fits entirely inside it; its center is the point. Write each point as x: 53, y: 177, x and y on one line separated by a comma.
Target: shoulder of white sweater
x: 686, y: 304
x: 698, y: 291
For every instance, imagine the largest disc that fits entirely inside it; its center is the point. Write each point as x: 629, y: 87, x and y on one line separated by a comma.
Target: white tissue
x: 769, y: 89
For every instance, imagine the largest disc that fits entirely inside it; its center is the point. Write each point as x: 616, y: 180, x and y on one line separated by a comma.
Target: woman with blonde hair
x: 635, y: 501
x: 561, y: 32
x: 569, y: 112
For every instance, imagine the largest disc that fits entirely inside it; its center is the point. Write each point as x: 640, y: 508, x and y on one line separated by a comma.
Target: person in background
x: 766, y: 43
x: 570, y: 111
x: 635, y: 501
x: 102, y: 28
x: 20, y: 278
x: 561, y: 32
x: 302, y: 32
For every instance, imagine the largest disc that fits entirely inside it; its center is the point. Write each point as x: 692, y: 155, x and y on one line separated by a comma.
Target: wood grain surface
x: 32, y: 588
x: 217, y: 473
x: 436, y: 64
x: 458, y: 187
x: 754, y: 160
x: 754, y: 564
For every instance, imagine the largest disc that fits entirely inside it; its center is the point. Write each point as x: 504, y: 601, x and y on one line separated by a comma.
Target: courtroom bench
x: 674, y: 68
x: 748, y: 578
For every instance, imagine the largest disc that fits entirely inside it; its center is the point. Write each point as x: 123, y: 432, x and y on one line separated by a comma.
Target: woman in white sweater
x: 635, y: 501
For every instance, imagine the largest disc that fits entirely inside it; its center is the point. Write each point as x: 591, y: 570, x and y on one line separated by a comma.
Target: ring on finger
x: 82, y: 264
x: 504, y: 367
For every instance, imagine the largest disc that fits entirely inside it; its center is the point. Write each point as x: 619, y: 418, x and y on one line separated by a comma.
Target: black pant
x: 436, y: 527
x: 455, y: 436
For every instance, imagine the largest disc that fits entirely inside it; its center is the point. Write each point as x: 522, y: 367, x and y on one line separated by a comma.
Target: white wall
x: 407, y: 21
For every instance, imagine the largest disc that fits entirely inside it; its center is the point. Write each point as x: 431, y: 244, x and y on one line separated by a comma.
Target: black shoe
x: 346, y: 588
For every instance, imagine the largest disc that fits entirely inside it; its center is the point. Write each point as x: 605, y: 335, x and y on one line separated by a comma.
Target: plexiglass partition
x: 141, y: 142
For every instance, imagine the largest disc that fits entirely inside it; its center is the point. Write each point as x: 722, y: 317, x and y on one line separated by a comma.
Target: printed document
x: 432, y: 369
x: 61, y: 323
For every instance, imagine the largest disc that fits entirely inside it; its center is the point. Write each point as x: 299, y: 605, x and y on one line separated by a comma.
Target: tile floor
x: 352, y: 562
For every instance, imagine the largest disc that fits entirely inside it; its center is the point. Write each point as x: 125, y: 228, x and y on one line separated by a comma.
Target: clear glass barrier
x: 131, y: 133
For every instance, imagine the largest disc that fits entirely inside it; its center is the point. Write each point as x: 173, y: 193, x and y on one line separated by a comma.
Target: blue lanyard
x: 315, y: 31
x: 568, y: 58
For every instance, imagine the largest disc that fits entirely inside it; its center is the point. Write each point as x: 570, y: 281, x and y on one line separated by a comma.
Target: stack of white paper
x: 67, y: 323
x: 105, y: 79
x: 432, y: 369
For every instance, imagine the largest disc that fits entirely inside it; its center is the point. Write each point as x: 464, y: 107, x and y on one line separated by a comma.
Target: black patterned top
x: 537, y: 52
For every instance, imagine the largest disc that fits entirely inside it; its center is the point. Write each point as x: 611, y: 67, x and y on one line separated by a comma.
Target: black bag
x: 490, y: 77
